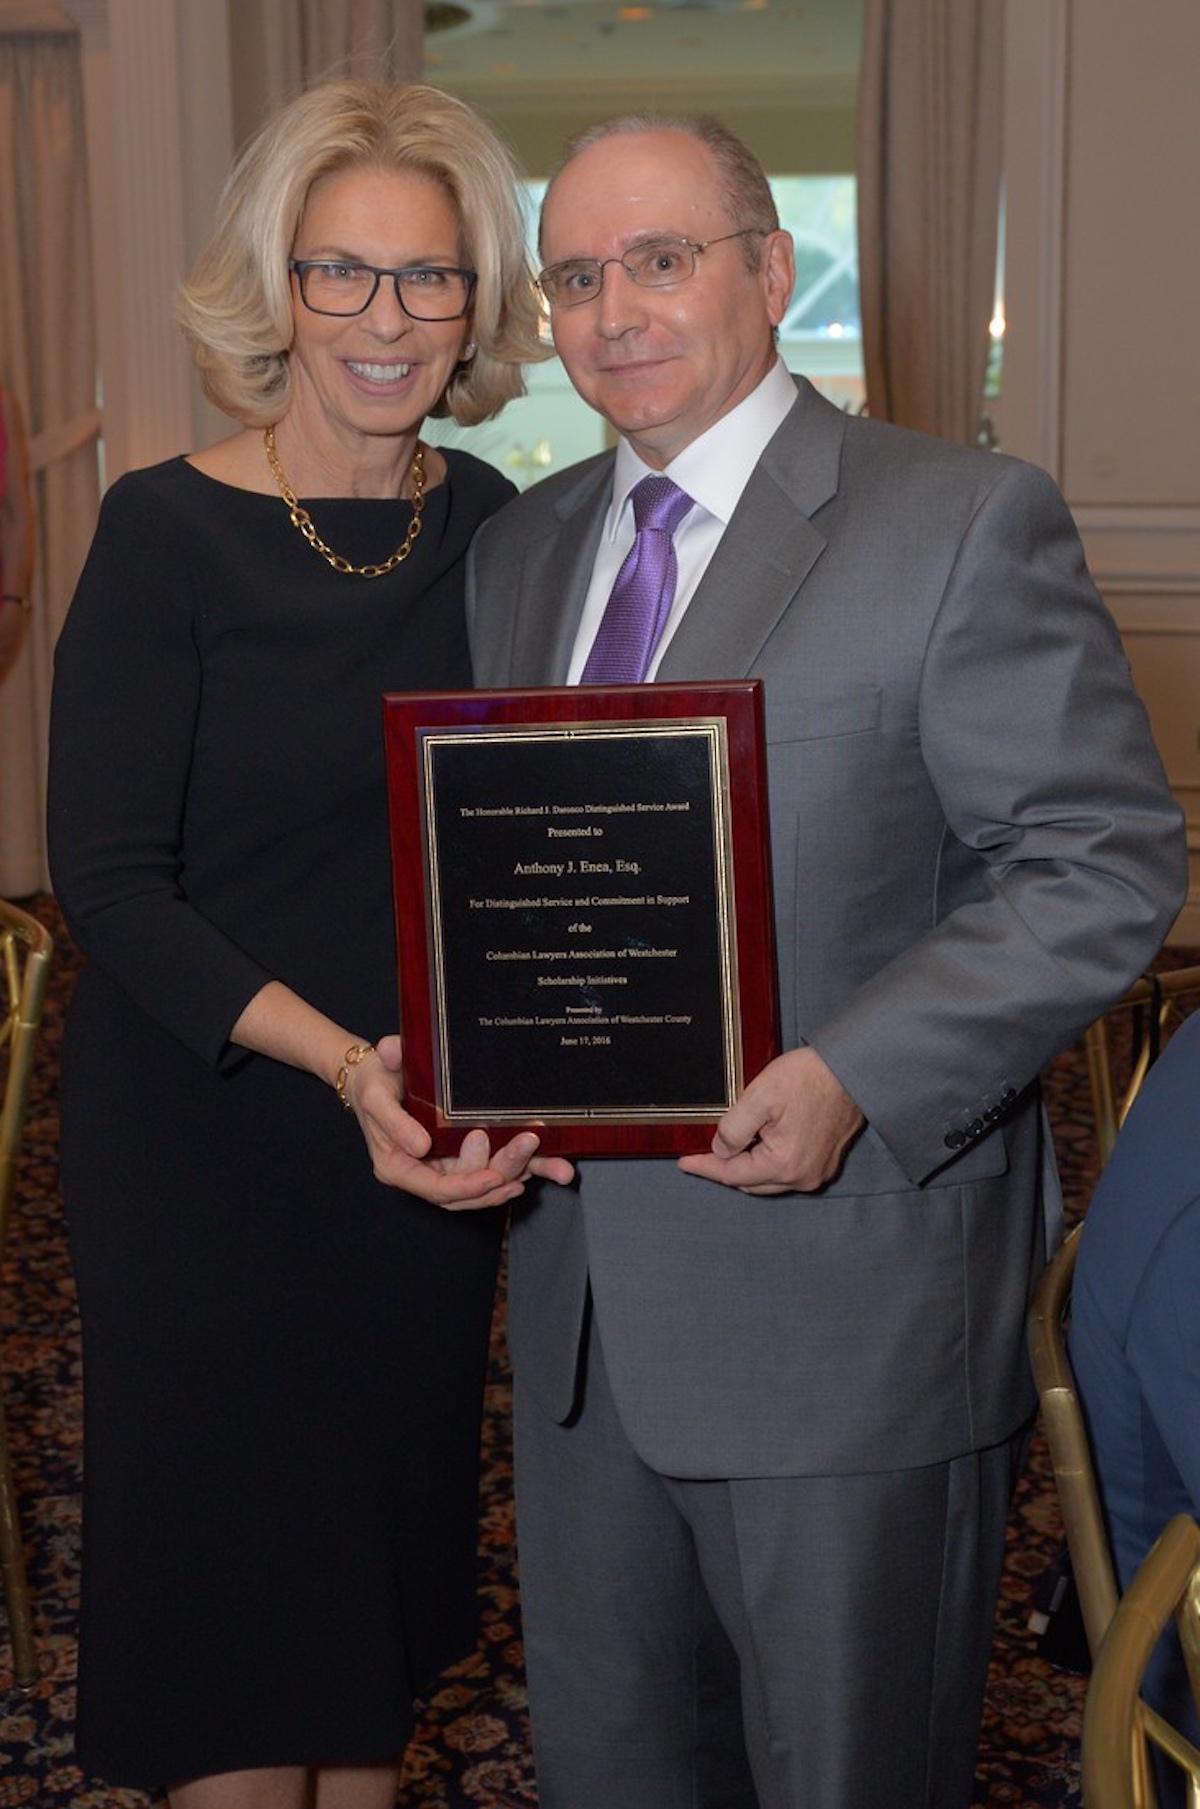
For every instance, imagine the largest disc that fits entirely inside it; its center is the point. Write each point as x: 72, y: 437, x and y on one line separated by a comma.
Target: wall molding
x: 1142, y: 549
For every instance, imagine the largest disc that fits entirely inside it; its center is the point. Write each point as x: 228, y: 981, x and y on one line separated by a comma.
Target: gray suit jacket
x: 974, y: 851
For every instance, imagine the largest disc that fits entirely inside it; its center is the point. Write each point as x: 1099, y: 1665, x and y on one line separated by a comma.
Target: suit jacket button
x: 975, y: 1128
x: 955, y: 1139
x: 1008, y: 1095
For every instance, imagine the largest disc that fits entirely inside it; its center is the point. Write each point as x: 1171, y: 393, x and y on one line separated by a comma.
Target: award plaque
x: 583, y: 911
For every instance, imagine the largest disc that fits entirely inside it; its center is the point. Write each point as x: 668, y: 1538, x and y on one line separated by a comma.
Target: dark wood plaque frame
x: 425, y: 729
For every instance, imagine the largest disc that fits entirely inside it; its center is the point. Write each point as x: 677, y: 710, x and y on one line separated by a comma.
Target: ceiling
x: 523, y: 50
x: 526, y: 53
x: 782, y: 73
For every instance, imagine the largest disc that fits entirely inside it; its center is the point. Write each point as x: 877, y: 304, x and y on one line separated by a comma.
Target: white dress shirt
x: 714, y: 470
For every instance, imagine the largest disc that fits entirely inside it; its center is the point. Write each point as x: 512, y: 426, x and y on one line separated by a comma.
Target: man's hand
x: 787, y: 1133
x: 399, y: 1146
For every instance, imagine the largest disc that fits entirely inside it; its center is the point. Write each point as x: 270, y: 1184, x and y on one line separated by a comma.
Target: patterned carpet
x: 472, y: 1746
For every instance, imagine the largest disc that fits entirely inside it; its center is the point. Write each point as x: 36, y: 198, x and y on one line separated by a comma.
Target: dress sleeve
x: 127, y: 685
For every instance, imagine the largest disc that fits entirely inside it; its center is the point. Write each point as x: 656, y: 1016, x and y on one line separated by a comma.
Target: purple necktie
x: 636, y: 613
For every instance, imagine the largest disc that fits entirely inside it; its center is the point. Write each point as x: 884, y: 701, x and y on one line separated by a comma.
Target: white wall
x: 1102, y: 354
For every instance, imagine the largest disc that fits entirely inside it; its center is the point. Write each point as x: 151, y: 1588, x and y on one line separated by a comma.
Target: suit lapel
x: 765, y: 554
x: 556, y: 570
x: 768, y: 549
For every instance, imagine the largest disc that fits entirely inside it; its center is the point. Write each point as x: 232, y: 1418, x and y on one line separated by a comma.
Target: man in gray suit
x: 769, y: 1399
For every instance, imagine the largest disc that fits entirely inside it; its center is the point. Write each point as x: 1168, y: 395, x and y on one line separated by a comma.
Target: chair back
x: 25, y: 950
x: 1119, y: 1726
x: 1148, y: 1008
x: 1070, y: 1452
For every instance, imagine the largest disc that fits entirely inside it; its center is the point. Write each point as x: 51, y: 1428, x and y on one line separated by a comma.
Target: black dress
x: 283, y: 1359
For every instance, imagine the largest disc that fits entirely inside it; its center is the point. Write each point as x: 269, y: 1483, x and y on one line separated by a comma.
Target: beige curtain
x: 304, y: 40
x: 47, y: 357
x: 929, y: 161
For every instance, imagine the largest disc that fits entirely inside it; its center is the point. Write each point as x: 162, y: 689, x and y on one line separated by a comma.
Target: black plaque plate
x: 583, y: 910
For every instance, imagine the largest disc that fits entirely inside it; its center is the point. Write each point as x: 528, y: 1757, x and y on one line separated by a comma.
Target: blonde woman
x: 284, y: 1356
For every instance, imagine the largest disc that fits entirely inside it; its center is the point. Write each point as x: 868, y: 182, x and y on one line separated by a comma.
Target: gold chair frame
x: 25, y: 950
x: 1148, y: 1006
x: 1119, y: 1726
x: 1157, y: 997
x: 1070, y: 1452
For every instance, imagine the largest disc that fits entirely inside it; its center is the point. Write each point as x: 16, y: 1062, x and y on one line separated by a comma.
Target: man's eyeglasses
x: 654, y: 264
x: 424, y: 291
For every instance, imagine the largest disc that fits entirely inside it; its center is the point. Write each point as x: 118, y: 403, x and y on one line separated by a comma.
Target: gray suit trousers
x: 653, y: 1606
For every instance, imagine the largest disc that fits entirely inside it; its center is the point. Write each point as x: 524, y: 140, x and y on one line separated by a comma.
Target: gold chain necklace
x: 303, y: 520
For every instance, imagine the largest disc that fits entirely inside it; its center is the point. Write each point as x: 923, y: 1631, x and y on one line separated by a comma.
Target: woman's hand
x: 399, y: 1146
x: 279, y: 1023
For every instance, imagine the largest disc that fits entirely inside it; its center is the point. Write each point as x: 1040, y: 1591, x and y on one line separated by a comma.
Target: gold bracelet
x: 10, y: 596
x: 356, y: 1053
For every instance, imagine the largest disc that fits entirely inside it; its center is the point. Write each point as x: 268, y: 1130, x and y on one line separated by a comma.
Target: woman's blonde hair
x: 236, y: 308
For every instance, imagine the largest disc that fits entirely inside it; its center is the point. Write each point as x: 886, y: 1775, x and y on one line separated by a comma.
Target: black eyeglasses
x: 654, y: 264
x: 424, y: 291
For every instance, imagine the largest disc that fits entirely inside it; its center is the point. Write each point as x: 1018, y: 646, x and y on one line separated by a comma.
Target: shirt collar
x: 716, y: 467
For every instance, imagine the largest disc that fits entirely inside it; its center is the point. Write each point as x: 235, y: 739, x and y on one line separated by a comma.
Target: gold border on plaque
x: 714, y: 731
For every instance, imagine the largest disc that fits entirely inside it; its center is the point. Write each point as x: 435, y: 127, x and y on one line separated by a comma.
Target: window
x: 821, y: 334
